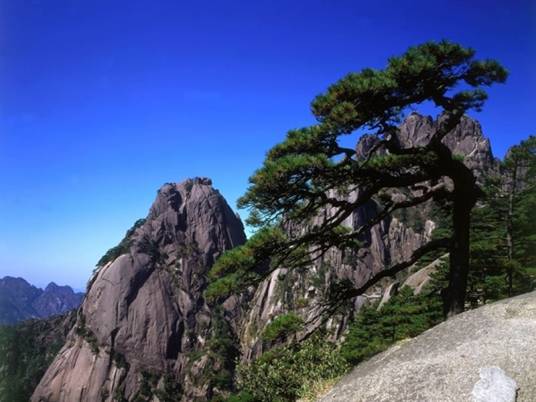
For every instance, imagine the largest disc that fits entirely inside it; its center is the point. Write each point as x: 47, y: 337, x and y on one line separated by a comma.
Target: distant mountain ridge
x: 19, y: 300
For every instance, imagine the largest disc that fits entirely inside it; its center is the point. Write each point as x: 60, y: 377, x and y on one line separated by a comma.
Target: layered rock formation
x: 452, y: 361
x: 21, y: 301
x: 144, y: 328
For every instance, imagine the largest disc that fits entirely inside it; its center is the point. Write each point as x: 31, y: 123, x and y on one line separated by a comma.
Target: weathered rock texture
x: 465, y: 140
x: 419, y: 279
x: 444, y: 363
x: 494, y: 386
x: 143, y: 324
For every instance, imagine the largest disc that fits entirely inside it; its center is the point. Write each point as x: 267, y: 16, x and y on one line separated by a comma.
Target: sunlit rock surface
x: 445, y: 363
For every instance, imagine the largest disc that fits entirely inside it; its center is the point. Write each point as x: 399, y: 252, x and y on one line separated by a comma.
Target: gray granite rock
x: 419, y: 279
x: 494, y: 386
x: 466, y: 140
x: 444, y: 363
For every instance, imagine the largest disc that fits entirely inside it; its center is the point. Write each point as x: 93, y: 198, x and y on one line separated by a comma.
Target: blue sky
x: 101, y: 102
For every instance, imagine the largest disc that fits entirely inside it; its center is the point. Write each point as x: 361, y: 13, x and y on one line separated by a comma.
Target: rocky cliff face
x: 305, y: 291
x: 144, y: 329
x: 388, y: 243
x: 21, y: 301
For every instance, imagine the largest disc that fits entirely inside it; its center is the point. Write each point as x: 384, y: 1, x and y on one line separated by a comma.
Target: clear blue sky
x: 103, y: 101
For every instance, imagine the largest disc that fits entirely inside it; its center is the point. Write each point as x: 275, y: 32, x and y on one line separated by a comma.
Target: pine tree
x: 310, y: 171
x: 489, y: 262
x: 502, y: 251
x: 519, y: 168
x: 405, y: 315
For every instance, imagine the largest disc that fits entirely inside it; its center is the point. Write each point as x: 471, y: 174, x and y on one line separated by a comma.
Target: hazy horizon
x: 103, y: 103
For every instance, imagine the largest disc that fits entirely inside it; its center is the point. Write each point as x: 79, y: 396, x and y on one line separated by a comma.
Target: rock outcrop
x: 466, y: 140
x: 419, y: 279
x: 454, y: 361
x: 21, y: 301
x: 144, y: 328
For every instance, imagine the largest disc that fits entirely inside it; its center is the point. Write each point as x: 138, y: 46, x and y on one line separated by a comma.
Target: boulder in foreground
x: 444, y: 363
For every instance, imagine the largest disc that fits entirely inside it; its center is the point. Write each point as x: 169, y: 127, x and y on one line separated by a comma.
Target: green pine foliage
x: 524, y: 205
x: 234, y: 268
x: 487, y: 277
x: 122, y: 247
x: 288, y: 373
x: 282, y: 327
x: 507, y: 212
x: 221, y: 354
x: 525, y: 230
x: 223, y: 351
x: 26, y: 351
x: 403, y: 316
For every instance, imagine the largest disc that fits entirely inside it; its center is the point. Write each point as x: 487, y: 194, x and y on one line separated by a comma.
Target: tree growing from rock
x: 301, y: 196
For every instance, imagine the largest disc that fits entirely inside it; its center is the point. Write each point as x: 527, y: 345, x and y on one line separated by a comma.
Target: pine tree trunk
x: 455, y: 294
x: 465, y: 194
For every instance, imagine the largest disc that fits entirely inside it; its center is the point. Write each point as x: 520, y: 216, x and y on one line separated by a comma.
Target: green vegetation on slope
x: 404, y: 316
x: 503, y: 235
x: 295, y: 371
x: 290, y: 372
x: 282, y: 327
x: 122, y: 247
x: 26, y: 350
